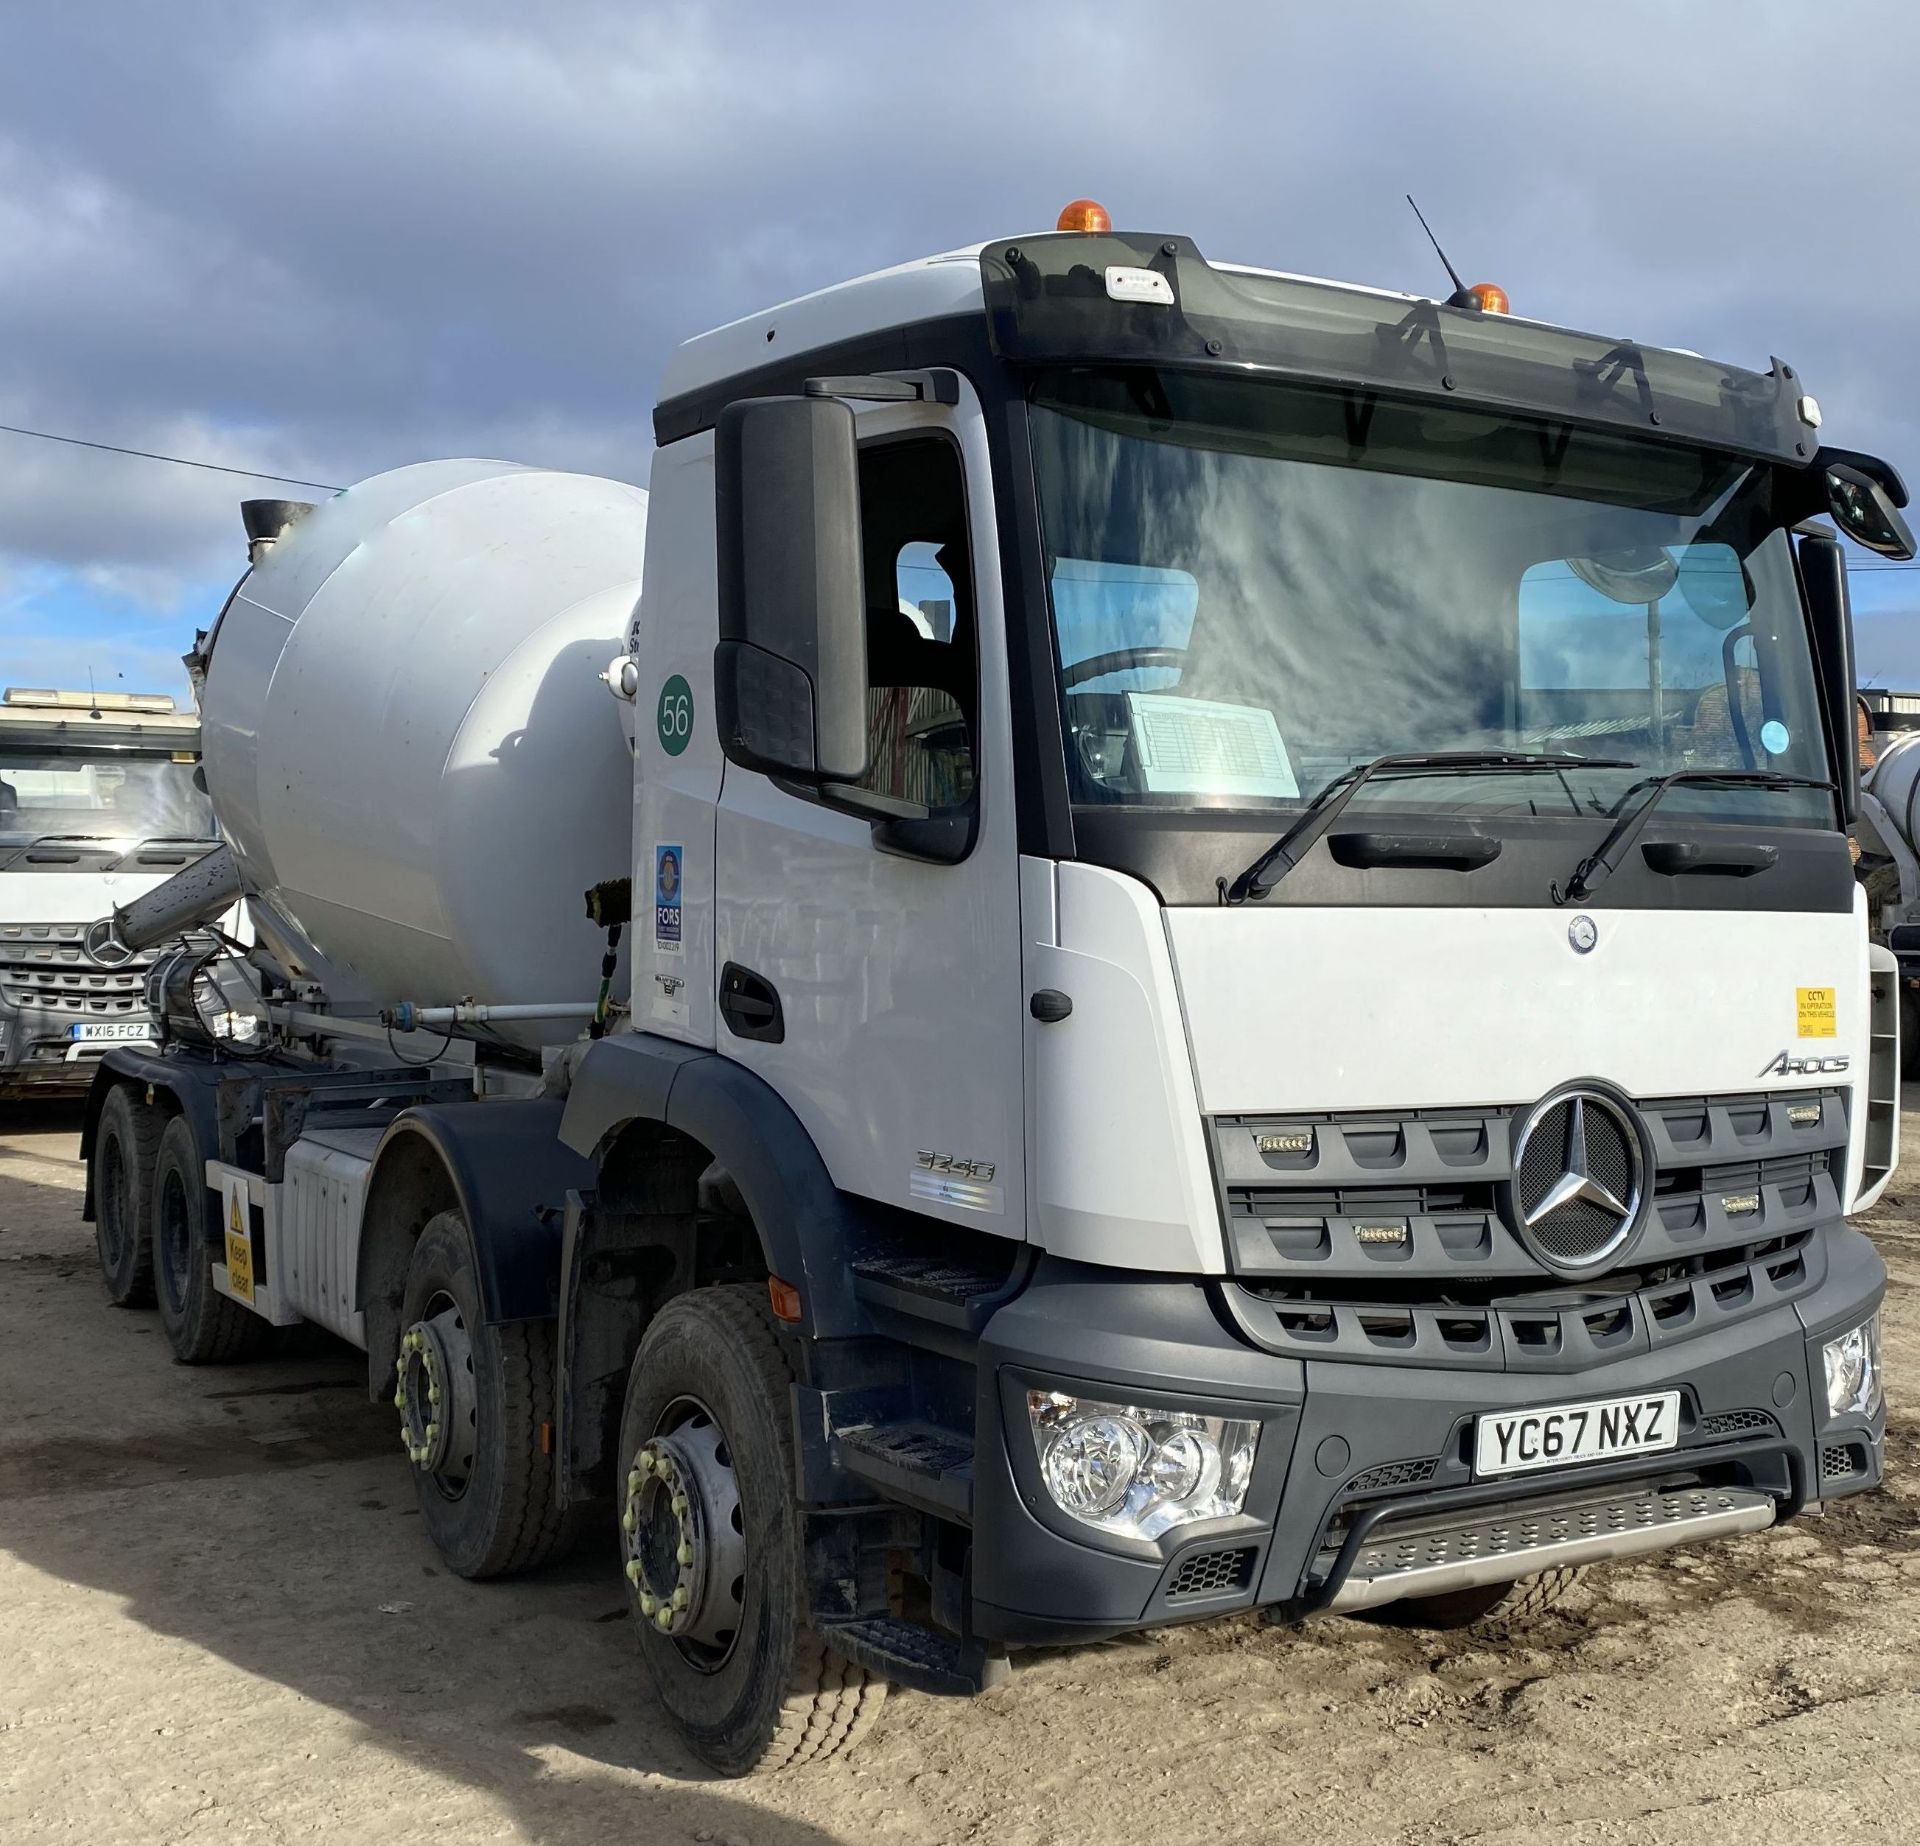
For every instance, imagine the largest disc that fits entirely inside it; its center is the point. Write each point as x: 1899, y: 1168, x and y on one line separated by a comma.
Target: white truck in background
x: 1219, y: 970
x: 98, y: 804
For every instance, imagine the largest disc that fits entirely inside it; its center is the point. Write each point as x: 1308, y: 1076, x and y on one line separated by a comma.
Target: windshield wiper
x: 1293, y: 845
x: 1596, y: 865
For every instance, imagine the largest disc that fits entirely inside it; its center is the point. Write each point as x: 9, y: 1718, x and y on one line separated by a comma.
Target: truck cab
x: 98, y: 804
x: 1342, y: 905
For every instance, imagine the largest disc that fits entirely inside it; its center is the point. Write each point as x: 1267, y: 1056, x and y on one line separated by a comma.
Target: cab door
x: 880, y: 992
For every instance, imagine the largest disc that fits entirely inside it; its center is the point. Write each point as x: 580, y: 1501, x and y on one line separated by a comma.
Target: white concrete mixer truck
x: 1205, y: 960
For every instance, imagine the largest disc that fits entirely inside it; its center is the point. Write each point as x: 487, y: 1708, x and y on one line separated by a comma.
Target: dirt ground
x: 219, y: 1620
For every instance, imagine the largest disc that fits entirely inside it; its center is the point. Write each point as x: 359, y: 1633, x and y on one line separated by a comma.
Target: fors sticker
x: 668, y: 867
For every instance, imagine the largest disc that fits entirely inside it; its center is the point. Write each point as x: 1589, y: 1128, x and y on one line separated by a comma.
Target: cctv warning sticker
x: 1814, y: 1010
x: 667, y: 869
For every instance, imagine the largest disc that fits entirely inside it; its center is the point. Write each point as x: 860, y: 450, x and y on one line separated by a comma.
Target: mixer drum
x: 408, y: 742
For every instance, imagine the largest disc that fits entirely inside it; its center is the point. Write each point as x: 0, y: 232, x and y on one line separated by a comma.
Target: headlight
x: 1853, y: 1372
x: 1139, y: 1472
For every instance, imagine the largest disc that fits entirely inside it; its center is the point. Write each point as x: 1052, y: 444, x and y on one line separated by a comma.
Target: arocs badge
x: 666, y: 899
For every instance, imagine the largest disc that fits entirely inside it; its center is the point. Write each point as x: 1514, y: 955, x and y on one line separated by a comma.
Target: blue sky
x: 328, y: 241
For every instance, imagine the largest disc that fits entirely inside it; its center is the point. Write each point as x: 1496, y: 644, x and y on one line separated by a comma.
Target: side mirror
x: 1865, y: 511
x: 790, y: 670
x: 1823, y: 573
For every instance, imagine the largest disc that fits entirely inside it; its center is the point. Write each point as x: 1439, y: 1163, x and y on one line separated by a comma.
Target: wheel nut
x: 433, y: 1394
x: 634, y: 1482
x: 645, y: 1462
x: 648, y: 1601
x: 679, y: 1506
x: 680, y: 1597
x: 684, y: 1556
x: 664, y: 1619
x: 628, y: 1522
x: 399, y: 1400
x: 633, y: 1570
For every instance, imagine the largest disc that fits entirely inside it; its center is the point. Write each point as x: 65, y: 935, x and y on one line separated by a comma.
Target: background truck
x: 1888, y: 835
x: 1219, y: 969
x: 98, y: 803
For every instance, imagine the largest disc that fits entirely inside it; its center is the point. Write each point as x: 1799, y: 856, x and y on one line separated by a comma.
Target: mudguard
x: 193, y: 1083
x: 511, y: 1175
x: 809, y: 1228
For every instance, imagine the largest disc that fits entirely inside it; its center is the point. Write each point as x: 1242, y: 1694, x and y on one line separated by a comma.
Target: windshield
x: 105, y: 796
x: 1257, y: 587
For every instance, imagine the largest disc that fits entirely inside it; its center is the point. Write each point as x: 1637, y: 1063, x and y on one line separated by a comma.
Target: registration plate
x: 94, y: 1032
x: 1516, y: 1441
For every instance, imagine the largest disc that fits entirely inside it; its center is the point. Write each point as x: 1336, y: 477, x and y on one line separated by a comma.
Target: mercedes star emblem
x: 1579, y: 1174
x: 1576, y: 1182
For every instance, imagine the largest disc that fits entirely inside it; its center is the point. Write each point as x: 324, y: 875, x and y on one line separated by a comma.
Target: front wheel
x: 710, y: 1535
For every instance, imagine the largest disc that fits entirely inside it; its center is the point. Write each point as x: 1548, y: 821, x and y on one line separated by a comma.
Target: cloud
x: 330, y: 241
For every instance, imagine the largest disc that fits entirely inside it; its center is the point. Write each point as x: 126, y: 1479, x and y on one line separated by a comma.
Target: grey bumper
x: 1362, y: 1472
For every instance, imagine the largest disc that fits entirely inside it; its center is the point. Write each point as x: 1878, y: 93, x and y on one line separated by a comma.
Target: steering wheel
x: 1097, y: 665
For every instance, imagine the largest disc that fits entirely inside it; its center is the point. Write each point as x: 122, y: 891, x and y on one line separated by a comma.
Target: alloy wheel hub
x: 435, y: 1398
x: 682, y: 1531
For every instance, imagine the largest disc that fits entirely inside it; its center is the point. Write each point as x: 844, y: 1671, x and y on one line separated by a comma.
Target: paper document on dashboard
x: 1201, y: 746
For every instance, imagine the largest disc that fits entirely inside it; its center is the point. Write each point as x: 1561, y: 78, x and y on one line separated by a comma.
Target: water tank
x: 407, y: 740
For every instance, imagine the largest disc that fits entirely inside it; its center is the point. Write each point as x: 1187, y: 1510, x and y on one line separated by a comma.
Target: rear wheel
x: 710, y: 1535
x: 125, y: 1146
x: 476, y: 1415
x: 204, y: 1327
x: 1493, y: 1612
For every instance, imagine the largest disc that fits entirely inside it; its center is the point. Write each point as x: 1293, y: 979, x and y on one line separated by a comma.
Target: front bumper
x: 39, y: 1056
x: 1362, y: 1488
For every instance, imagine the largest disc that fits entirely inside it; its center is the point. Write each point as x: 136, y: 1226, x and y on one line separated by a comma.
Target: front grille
x: 45, y: 967
x: 1395, y: 1474
x: 1416, y: 1202
x: 1738, y: 1423
x: 1210, y: 1573
x: 1840, y: 1461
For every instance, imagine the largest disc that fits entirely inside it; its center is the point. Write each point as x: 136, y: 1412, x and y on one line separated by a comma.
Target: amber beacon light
x: 1084, y: 215
x: 1490, y: 298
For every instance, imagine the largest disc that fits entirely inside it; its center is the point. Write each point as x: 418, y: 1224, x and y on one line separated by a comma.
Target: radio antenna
x: 1460, y: 298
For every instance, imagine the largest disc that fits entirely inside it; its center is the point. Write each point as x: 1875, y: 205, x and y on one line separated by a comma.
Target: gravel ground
x: 219, y: 1620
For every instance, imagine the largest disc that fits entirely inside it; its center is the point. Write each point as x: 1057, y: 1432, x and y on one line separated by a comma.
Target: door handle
x: 1454, y: 852
x: 1734, y: 859
x: 750, y: 1004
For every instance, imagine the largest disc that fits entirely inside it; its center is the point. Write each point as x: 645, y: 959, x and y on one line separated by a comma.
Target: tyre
x: 710, y: 1536
x: 1909, y: 1031
x: 476, y: 1415
x: 126, y: 1144
x: 203, y: 1326
x: 1493, y: 1612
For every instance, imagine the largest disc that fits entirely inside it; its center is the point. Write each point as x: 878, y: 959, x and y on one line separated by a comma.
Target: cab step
x: 950, y: 1292
x: 920, y: 1464
x: 921, y: 1659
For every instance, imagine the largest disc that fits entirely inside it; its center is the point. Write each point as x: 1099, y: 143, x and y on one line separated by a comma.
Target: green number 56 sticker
x: 675, y: 716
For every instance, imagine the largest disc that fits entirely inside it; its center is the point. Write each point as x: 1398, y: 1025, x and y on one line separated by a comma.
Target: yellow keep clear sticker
x: 1814, y: 1011
x: 239, y: 1246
